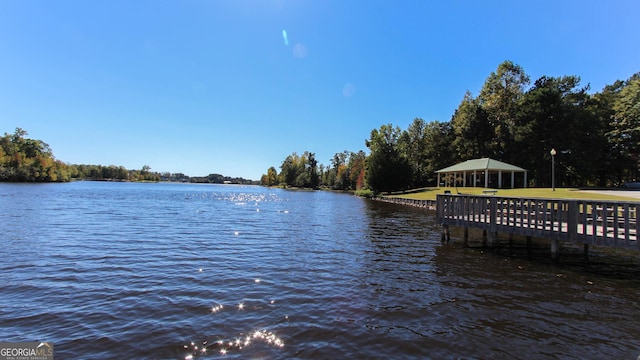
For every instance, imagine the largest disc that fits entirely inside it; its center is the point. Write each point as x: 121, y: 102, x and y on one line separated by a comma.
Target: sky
x: 235, y: 86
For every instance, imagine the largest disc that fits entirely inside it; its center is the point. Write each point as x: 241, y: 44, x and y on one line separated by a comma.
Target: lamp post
x: 553, y: 169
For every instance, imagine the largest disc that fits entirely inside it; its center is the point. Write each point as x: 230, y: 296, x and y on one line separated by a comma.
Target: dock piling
x: 554, y: 249
x: 466, y: 236
x: 446, y: 236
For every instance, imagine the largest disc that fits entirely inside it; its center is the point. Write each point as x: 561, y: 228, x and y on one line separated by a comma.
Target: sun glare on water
x: 223, y: 345
x: 236, y: 344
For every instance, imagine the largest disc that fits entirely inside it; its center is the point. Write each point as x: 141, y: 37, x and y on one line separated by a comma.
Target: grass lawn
x: 560, y: 193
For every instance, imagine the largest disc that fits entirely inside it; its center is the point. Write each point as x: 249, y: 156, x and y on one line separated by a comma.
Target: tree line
x: 24, y: 159
x: 596, y: 138
x: 347, y: 171
x: 29, y: 160
x: 219, y: 179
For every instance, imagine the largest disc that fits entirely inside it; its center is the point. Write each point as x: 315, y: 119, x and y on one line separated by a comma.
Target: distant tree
x: 270, y: 178
x: 312, y: 170
x: 416, y: 146
x: 289, y: 169
x: 472, y: 130
x: 438, y: 136
x: 300, y: 171
x: 342, y: 177
x: 337, y: 173
x: 387, y: 168
x: 322, y: 174
x: 121, y: 173
x: 357, y: 169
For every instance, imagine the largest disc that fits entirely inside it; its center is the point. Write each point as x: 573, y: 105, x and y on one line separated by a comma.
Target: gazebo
x: 484, y: 166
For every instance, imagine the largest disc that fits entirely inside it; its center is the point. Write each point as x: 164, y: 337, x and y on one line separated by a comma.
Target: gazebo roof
x: 481, y: 164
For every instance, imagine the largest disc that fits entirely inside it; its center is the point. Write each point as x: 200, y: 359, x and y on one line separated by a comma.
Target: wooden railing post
x: 636, y: 225
x: 572, y: 221
x: 438, y: 208
x: 493, y: 226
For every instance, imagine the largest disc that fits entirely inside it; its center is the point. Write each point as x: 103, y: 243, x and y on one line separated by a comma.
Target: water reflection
x: 511, y: 294
x: 470, y: 302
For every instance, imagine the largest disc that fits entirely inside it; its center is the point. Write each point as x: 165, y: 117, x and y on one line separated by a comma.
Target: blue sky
x: 205, y: 87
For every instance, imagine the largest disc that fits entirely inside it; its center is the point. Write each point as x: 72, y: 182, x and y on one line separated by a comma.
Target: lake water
x: 179, y: 271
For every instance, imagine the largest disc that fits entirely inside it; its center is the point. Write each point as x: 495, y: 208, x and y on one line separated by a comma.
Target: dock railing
x: 605, y: 223
x: 429, y: 204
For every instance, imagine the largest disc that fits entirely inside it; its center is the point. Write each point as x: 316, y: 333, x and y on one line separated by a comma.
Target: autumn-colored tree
x: 30, y: 160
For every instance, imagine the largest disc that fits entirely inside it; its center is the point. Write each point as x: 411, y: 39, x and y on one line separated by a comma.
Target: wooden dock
x: 427, y: 204
x: 589, y: 222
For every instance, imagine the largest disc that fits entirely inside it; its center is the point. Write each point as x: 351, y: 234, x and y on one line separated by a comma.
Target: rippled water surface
x: 178, y: 271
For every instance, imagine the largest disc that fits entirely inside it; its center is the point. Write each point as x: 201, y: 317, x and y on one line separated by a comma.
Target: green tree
x: 387, y: 168
x: 553, y: 114
x: 612, y: 160
x: 272, y: 176
x: 312, y: 170
x: 472, y: 130
x: 413, y: 145
x: 625, y: 124
x: 439, y: 137
x: 300, y: 171
x: 322, y: 173
x: 499, y: 97
x: 288, y: 170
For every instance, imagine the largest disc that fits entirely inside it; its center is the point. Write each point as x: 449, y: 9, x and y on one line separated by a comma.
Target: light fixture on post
x: 553, y: 169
